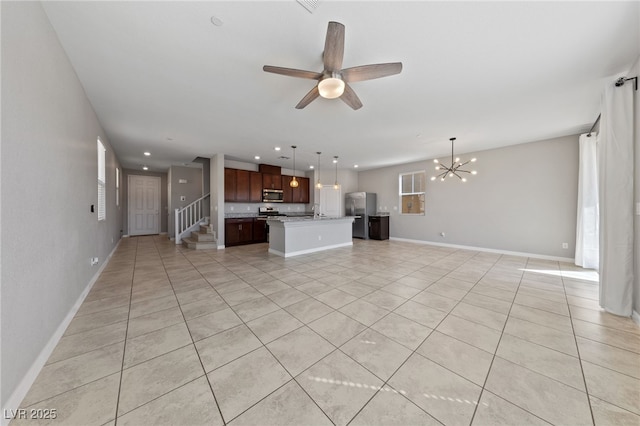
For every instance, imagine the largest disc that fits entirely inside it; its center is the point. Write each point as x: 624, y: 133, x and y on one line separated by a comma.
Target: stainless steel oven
x: 272, y: 196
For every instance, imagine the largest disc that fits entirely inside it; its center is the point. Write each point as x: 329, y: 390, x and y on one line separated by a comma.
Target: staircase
x: 189, y: 218
x: 203, y: 239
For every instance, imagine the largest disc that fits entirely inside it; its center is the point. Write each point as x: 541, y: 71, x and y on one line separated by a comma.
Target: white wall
x: 49, y: 181
x: 523, y: 199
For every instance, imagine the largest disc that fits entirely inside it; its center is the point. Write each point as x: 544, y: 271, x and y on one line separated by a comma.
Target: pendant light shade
x: 335, y: 160
x: 294, y: 182
x: 318, y: 185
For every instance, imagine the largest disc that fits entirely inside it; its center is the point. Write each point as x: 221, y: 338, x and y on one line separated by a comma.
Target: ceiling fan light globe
x: 331, y: 87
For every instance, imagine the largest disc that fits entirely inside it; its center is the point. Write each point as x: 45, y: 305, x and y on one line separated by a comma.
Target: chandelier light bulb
x: 433, y: 178
x: 473, y: 160
x: 454, y: 169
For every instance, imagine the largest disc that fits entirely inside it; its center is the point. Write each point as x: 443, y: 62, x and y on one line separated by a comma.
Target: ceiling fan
x: 333, y: 80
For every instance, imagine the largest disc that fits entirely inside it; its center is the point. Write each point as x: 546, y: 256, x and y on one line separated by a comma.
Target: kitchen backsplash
x: 251, y: 208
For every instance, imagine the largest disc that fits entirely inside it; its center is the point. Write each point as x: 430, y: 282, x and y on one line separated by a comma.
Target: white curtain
x: 587, y: 234
x: 615, y: 174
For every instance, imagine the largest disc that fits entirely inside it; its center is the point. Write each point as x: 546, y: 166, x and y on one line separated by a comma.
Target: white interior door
x: 144, y: 205
x: 331, y: 201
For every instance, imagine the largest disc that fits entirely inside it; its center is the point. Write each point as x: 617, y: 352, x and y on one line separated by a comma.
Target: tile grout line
x: 189, y: 330
x: 575, y: 340
x: 124, y: 348
x: 475, y: 410
x: 414, y: 352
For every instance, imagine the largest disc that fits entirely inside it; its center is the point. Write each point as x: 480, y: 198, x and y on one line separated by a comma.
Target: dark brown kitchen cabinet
x: 243, y: 182
x: 287, y: 194
x: 238, y: 231
x: 270, y: 181
x: 259, y: 231
x: 295, y: 195
x: 379, y: 227
x: 301, y: 193
x: 255, y: 187
x: 229, y: 184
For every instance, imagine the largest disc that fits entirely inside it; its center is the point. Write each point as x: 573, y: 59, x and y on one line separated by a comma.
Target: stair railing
x: 188, y: 218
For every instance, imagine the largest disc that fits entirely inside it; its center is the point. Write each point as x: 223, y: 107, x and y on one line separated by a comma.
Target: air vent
x: 310, y: 5
x: 284, y: 157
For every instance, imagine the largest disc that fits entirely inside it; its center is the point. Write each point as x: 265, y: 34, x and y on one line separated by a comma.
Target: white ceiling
x: 162, y: 78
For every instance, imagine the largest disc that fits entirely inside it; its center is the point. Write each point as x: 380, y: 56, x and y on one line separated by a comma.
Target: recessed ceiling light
x: 311, y: 166
x: 257, y: 157
x: 145, y: 168
x: 355, y: 166
x: 147, y: 153
x: 277, y: 148
x: 216, y: 21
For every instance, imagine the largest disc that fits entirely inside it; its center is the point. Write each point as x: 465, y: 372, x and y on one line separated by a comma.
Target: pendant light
x: 454, y: 169
x: 318, y: 185
x: 294, y: 181
x: 335, y: 161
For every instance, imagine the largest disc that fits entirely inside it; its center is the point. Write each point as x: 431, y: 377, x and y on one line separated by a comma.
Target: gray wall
x: 206, y: 181
x: 49, y: 181
x: 523, y: 199
x: 164, y: 205
x: 192, y: 190
x: 633, y: 72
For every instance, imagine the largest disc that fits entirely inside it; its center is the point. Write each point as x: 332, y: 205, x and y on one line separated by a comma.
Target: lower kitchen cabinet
x: 259, y: 231
x: 238, y: 231
x: 246, y: 230
x: 379, y: 227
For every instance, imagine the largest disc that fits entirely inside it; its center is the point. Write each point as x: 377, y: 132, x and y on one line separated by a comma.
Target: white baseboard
x: 313, y: 250
x: 487, y: 250
x: 14, y: 401
x: 636, y: 317
x: 221, y: 247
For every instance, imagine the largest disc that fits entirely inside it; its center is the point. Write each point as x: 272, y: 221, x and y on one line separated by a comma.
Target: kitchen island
x: 295, y: 236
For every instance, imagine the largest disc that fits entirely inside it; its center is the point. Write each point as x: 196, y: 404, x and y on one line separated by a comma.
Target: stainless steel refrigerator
x: 361, y: 205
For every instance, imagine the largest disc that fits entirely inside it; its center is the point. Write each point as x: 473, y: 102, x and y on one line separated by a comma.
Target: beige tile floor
x: 381, y: 333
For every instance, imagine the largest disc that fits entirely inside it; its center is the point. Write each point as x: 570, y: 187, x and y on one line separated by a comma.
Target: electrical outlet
x: 565, y: 245
x: 319, y: 237
x: 94, y: 261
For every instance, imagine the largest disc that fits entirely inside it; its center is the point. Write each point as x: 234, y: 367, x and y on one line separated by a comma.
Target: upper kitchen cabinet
x: 270, y: 181
x: 299, y: 195
x: 255, y: 187
x: 229, y: 184
x: 242, y: 186
x: 270, y: 176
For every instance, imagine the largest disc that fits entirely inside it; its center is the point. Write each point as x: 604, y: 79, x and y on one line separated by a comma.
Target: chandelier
x: 454, y: 169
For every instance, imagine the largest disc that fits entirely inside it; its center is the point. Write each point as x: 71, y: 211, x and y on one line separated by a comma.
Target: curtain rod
x: 619, y: 82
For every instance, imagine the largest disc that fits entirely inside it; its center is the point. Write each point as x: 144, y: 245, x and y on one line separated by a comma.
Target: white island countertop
x: 293, y: 236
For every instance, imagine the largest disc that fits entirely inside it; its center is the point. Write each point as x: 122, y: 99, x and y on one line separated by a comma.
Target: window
x: 102, y: 182
x: 117, y: 187
x: 412, y: 186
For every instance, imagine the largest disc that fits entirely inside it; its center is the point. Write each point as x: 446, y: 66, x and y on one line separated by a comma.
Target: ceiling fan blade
x: 292, y: 72
x: 334, y: 47
x: 308, y: 98
x: 369, y: 72
x: 350, y: 98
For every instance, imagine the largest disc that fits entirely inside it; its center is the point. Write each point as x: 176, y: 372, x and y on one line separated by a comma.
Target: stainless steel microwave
x: 272, y: 196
